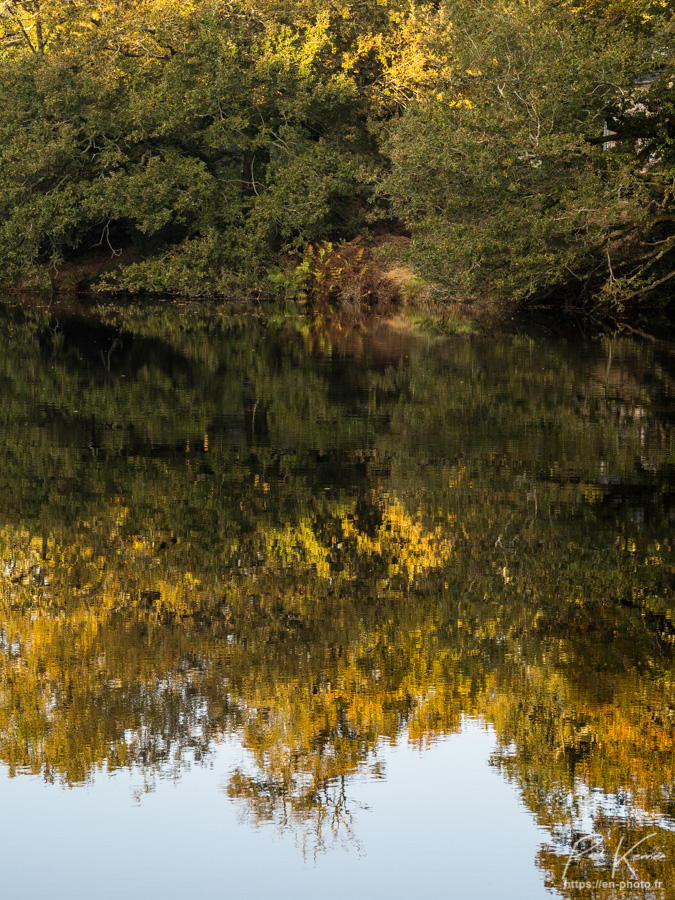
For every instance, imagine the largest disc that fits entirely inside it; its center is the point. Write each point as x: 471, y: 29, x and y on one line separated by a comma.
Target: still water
x: 296, y: 610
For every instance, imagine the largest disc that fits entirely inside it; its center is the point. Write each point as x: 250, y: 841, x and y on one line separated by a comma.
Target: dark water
x: 291, y: 610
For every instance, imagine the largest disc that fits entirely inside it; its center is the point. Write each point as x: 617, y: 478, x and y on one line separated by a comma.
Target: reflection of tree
x: 292, y: 806
x: 364, y: 564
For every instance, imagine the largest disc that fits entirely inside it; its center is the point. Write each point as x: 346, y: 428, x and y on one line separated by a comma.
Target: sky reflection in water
x: 445, y: 822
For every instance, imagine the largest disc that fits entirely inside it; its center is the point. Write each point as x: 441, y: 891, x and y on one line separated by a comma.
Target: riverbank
x: 341, y: 326
x: 344, y: 285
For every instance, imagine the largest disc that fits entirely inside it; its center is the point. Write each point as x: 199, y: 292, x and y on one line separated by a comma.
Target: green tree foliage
x: 542, y: 160
x: 200, y: 147
x: 211, y: 137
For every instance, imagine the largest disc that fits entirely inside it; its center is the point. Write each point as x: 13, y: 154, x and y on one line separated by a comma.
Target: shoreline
x: 431, y: 320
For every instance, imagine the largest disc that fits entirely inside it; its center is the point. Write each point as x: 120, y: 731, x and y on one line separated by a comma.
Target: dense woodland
x: 518, y: 150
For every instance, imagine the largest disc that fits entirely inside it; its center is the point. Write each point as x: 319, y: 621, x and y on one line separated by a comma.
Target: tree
x: 207, y: 139
x: 505, y: 172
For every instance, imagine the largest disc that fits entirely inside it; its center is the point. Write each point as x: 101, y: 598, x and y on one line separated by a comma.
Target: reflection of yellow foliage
x: 298, y: 545
x: 404, y: 541
x: 102, y: 564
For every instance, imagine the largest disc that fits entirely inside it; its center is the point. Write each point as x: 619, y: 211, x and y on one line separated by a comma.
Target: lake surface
x: 289, y: 609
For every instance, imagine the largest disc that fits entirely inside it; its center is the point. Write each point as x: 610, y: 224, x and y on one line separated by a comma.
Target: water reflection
x: 320, y: 543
